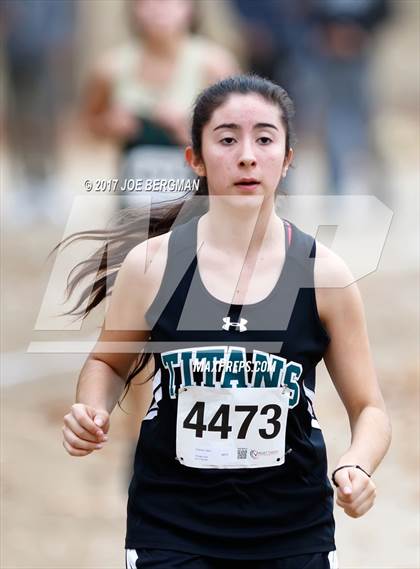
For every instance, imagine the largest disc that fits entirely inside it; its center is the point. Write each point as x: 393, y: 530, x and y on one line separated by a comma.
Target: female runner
x: 140, y: 92
x: 237, y: 307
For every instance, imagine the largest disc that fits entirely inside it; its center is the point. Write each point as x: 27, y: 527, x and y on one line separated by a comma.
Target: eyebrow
x: 234, y: 126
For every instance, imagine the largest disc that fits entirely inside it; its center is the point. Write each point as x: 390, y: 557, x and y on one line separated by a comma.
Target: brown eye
x: 227, y: 140
x: 265, y: 140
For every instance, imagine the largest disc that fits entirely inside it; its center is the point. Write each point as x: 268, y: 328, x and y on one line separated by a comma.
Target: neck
x: 166, y: 47
x: 233, y: 229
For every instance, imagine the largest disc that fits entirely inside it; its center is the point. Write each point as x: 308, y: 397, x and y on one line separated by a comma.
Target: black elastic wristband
x: 347, y: 466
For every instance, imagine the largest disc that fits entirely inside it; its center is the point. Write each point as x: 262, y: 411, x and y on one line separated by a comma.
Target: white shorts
x: 164, y: 559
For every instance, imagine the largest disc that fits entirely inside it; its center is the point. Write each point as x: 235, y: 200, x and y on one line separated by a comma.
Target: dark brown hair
x: 132, y: 226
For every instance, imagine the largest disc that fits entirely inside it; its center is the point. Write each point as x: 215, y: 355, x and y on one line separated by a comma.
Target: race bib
x: 231, y: 427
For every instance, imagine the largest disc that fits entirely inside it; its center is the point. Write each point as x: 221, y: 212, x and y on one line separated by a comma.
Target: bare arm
x: 100, y: 114
x: 349, y: 362
x: 102, y: 379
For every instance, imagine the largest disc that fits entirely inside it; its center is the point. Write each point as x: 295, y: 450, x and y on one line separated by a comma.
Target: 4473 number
x: 220, y: 422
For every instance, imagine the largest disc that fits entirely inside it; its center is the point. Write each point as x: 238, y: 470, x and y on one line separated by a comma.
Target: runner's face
x: 162, y: 18
x: 244, y: 139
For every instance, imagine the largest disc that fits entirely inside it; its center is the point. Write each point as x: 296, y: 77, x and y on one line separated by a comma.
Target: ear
x: 287, y: 161
x: 194, y: 162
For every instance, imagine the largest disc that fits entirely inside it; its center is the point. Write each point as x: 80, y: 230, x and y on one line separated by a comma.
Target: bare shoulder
x: 110, y: 63
x: 335, y: 286
x: 330, y: 270
x: 146, y: 262
x: 219, y: 63
x: 137, y: 283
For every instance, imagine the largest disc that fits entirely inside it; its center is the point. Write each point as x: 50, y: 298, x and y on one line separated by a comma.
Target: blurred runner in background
x: 141, y: 92
x: 320, y: 51
x: 342, y: 44
x: 39, y: 60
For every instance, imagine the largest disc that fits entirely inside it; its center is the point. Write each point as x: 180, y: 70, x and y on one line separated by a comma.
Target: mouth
x: 247, y: 183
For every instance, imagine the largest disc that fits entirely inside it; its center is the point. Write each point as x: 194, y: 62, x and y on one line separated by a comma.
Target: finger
x: 344, y: 488
x: 360, y: 511
x: 360, y: 481
x: 101, y: 419
x: 73, y: 425
x: 78, y: 443
x: 367, y: 489
x: 343, y: 503
x: 356, y: 492
x: 365, y: 507
x: 367, y: 497
x: 81, y: 416
x: 346, y: 498
x: 75, y: 452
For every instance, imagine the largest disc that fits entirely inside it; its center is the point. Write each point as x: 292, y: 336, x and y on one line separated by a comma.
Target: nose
x: 247, y: 155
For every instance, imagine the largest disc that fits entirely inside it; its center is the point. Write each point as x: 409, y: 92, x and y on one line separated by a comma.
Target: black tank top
x: 238, y: 513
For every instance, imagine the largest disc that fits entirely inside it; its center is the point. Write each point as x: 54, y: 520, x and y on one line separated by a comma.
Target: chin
x: 243, y: 201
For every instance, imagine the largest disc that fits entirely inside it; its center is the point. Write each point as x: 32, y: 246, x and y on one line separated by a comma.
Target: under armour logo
x: 239, y: 326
